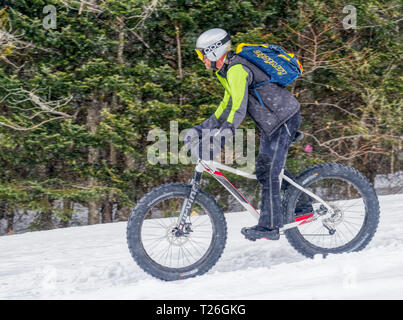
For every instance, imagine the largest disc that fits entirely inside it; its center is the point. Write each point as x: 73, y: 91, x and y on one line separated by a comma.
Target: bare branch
x: 17, y: 96
x: 19, y: 128
x: 82, y: 5
x: 335, y: 105
x: 351, y: 154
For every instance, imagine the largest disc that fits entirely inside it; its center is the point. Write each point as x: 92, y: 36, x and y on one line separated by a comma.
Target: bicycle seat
x: 298, y: 136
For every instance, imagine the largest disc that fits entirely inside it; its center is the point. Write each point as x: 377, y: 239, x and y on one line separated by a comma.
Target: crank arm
x: 328, y: 227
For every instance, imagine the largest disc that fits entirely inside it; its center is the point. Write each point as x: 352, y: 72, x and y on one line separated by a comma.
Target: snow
x: 389, y: 183
x: 93, y: 262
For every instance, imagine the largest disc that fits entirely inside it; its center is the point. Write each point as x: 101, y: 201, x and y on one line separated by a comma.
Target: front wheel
x: 355, y: 211
x: 167, y: 253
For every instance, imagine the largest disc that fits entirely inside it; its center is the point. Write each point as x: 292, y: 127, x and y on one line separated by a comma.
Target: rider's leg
x: 272, y: 155
x: 304, y: 204
x: 273, y: 152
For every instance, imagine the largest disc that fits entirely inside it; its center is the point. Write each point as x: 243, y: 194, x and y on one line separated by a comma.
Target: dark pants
x: 271, y: 160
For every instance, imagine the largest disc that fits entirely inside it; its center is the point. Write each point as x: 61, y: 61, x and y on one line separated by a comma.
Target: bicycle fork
x: 189, y: 201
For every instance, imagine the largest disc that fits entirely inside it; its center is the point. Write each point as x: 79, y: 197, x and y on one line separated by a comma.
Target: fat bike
x: 178, y: 230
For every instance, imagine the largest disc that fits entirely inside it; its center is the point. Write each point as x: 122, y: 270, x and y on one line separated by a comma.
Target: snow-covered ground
x: 93, y: 262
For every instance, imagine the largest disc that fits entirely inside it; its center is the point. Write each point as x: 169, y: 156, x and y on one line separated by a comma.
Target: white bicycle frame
x: 213, y: 168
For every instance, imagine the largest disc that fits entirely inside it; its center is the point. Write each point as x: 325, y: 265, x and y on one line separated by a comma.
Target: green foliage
x: 120, y: 58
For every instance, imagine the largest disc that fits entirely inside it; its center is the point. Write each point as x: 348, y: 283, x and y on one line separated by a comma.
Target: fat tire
x: 332, y: 170
x: 170, y: 274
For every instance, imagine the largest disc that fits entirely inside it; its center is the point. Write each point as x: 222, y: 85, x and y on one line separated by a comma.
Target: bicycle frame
x: 213, y: 167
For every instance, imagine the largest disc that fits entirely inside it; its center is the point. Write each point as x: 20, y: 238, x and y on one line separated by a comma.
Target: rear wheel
x: 166, y: 252
x: 353, y: 200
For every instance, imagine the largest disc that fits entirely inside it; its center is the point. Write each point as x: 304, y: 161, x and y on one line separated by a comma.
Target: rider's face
x: 207, y: 63
x: 218, y: 64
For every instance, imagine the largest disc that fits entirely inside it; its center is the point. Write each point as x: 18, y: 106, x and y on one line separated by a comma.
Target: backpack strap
x: 232, y: 54
x: 257, y: 85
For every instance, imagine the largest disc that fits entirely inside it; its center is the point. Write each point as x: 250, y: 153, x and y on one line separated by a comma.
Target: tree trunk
x: 93, y: 155
x: 392, y: 159
x: 44, y: 220
x: 179, y: 54
x: 10, y: 222
x: 67, y: 213
x: 107, y: 209
x: 124, y: 212
x: 4, y: 209
x: 107, y: 204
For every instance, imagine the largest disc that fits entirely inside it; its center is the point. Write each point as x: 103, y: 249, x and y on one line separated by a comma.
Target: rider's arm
x: 232, y: 109
x: 236, y: 97
x: 213, y: 122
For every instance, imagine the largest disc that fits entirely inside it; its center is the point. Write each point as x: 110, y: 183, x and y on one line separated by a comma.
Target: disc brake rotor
x: 173, y: 238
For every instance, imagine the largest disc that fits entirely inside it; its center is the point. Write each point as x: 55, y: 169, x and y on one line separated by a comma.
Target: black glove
x: 192, y: 137
x: 195, y: 141
x: 198, y: 144
x: 187, y: 141
x: 226, y: 131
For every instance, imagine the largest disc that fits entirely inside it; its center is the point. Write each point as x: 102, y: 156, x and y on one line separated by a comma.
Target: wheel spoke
x: 347, y: 219
x: 169, y: 249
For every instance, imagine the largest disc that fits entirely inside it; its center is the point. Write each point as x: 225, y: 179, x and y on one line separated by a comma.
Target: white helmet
x: 213, y: 44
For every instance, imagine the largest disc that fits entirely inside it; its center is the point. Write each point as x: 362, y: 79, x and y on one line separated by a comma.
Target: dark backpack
x: 282, y: 67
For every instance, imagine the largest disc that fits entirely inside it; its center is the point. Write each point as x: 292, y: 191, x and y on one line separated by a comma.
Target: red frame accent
x: 304, y: 219
x: 218, y: 173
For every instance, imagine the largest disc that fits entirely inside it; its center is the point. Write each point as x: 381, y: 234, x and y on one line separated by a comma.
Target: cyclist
x: 278, y: 120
